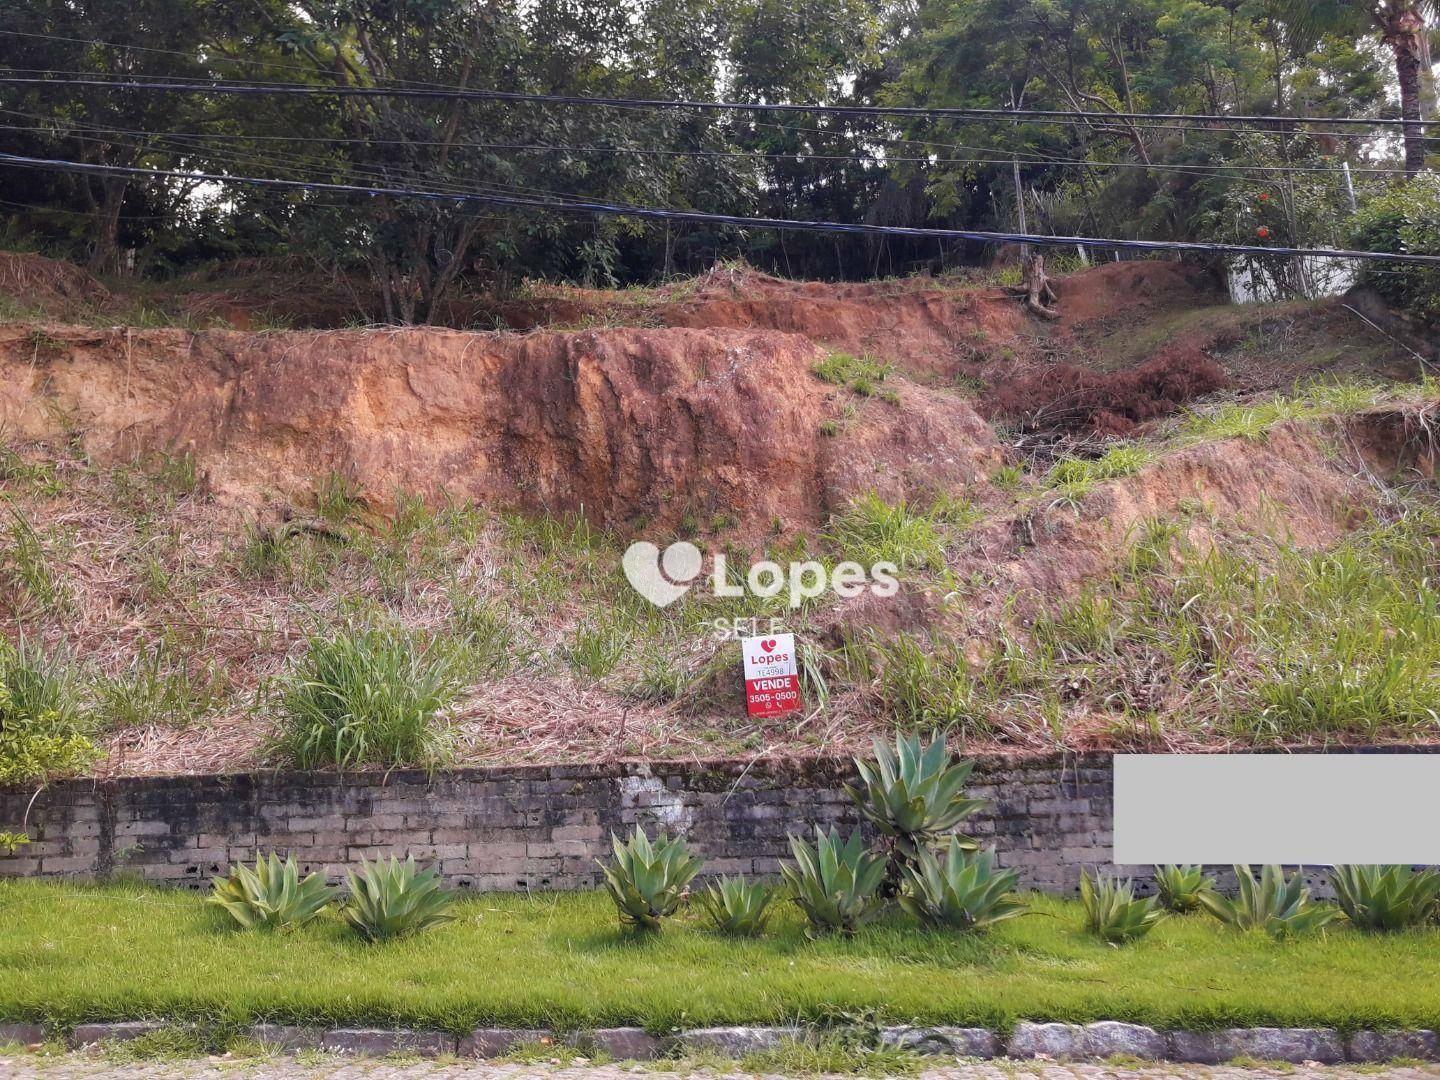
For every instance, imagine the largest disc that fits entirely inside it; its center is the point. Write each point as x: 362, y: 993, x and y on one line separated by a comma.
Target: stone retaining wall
x: 531, y: 827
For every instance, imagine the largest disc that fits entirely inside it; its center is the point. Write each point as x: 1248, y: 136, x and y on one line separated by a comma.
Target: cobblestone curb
x: 1055, y: 1042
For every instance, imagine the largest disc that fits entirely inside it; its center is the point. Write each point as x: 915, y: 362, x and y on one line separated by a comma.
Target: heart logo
x: 768, y: 645
x: 661, y: 578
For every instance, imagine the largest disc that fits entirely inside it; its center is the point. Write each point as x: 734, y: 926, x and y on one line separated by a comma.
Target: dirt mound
x: 58, y: 289
x: 294, y: 291
x: 639, y: 428
x: 925, y: 324
x: 1072, y: 399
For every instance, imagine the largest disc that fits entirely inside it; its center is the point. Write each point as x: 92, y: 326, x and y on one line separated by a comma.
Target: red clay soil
x: 923, y: 324
x: 640, y: 428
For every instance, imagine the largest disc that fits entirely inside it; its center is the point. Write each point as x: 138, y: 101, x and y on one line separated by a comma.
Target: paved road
x: 92, y: 1067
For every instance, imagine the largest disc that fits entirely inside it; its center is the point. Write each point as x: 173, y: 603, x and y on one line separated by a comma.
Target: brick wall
x: 530, y: 827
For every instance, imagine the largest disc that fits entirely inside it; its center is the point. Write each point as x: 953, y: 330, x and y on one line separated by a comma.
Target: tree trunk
x: 1402, y: 33
x: 105, y: 215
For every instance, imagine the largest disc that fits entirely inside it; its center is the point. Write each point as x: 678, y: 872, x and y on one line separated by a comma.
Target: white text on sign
x: 772, y: 678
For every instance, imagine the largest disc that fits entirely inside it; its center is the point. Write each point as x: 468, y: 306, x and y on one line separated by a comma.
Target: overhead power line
x: 1222, y: 170
x: 1009, y: 115
x: 580, y: 206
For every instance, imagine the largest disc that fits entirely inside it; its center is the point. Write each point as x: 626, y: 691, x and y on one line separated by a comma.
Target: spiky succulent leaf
x: 1179, y: 887
x: 964, y: 891
x: 647, y: 880
x: 273, y: 895
x: 913, y: 793
x: 390, y: 899
x: 1386, y: 897
x: 1279, y: 906
x: 835, y: 882
x: 738, y: 907
x: 1112, y: 911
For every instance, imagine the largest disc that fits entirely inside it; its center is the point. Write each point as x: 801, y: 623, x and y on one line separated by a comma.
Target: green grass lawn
x: 70, y: 953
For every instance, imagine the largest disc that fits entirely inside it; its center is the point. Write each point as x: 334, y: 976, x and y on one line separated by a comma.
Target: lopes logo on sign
x: 664, y: 577
x: 772, y: 678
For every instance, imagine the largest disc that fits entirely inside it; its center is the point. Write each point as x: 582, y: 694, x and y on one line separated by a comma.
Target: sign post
x: 772, y: 675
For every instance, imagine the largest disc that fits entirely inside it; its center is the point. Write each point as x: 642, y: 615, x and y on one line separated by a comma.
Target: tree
x: 1404, y: 27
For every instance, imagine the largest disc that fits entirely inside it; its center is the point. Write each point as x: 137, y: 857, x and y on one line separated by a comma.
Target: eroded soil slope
x: 640, y: 428
x: 187, y: 508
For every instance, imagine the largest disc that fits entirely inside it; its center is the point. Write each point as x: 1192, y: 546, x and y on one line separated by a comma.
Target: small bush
x: 1404, y: 219
x: 1386, y: 897
x: 41, y: 736
x: 1180, y: 887
x: 366, y: 695
x: 648, y: 880
x: 272, y: 896
x: 738, y: 907
x: 1271, y: 903
x: 836, y: 883
x: 1112, y: 911
x: 913, y: 794
x: 964, y: 892
x: 390, y: 899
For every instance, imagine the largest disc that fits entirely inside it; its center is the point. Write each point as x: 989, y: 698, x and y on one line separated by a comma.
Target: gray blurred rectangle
x: 1310, y: 809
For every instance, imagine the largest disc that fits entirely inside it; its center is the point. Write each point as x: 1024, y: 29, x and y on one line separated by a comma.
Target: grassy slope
x: 69, y: 953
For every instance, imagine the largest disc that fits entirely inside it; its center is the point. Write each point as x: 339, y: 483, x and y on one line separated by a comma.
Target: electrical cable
x: 588, y: 207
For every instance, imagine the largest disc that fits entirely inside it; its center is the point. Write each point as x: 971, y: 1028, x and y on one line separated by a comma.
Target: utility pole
x: 1349, y: 185
x: 1020, y: 206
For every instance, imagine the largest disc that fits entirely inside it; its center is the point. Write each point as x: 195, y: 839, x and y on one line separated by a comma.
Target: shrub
x: 836, y: 882
x: 965, y: 891
x: 1271, y: 903
x: 913, y: 794
x: 647, y: 880
x: 737, y: 906
x: 1404, y: 219
x: 40, y: 730
x: 272, y: 896
x: 1386, y: 897
x: 390, y: 899
x: 1112, y: 911
x: 366, y: 695
x: 1180, y: 887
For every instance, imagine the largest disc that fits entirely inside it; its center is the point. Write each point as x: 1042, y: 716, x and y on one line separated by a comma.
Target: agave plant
x: 1386, y: 897
x: 965, y: 891
x: 1179, y: 887
x: 1112, y: 911
x: 389, y: 899
x: 836, y: 882
x: 273, y: 895
x: 912, y: 794
x: 647, y: 880
x: 1270, y: 902
x: 737, y: 906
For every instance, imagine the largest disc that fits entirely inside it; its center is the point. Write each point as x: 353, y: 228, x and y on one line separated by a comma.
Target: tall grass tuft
x: 367, y: 695
x: 872, y: 530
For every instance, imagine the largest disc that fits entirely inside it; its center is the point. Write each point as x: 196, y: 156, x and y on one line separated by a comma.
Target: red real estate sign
x: 772, y: 679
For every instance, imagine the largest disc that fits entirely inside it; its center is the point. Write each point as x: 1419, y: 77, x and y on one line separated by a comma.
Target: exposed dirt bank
x: 638, y: 427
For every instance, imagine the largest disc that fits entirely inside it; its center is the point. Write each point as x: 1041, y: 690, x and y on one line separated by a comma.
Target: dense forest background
x: 1102, y: 175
